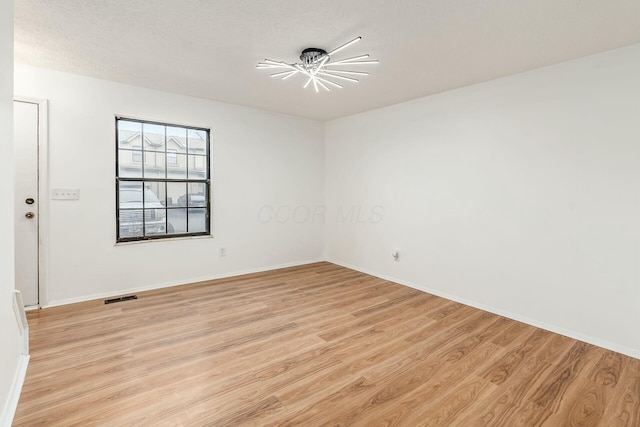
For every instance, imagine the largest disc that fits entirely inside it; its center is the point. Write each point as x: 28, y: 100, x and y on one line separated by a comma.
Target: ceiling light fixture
x: 318, y: 67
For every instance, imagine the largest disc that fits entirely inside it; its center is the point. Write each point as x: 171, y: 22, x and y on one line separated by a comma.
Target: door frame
x: 43, y: 196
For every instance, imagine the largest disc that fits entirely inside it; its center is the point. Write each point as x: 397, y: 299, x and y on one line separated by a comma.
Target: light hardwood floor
x: 310, y: 346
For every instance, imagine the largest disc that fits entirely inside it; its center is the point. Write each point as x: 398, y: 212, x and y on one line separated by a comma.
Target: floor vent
x: 127, y: 298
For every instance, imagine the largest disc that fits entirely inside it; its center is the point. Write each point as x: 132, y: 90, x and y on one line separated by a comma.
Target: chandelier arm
x: 355, y: 73
x: 307, y: 83
x: 261, y: 65
x: 337, y: 76
x: 320, y: 79
x: 281, y: 73
x: 302, y: 70
x: 322, y: 84
x: 292, y: 67
x: 272, y: 62
x: 315, y: 70
x: 353, y: 58
x: 339, y: 48
x: 373, y: 61
x: 280, y: 63
x: 323, y: 62
x: 291, y: 73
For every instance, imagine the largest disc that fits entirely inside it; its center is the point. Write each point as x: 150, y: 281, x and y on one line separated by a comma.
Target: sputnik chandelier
x: 319, y: 68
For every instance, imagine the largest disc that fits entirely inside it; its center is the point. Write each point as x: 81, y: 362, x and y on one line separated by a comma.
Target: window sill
x: 172, y: 239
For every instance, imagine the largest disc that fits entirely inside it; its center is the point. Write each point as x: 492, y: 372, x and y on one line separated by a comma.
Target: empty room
x: 329, y: 213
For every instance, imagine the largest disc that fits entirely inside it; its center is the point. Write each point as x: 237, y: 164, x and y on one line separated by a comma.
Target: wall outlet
x: 223, y: 251
x: 65, y: 193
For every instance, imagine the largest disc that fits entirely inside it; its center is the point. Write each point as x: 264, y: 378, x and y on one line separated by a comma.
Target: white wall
x: 519, y: 195
x: 261, y: 161
x: 9, y: 336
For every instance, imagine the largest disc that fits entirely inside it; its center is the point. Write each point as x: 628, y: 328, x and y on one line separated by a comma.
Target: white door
x: 26, y: 200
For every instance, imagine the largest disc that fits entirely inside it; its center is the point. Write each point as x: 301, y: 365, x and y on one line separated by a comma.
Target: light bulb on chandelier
x: 318, y: 67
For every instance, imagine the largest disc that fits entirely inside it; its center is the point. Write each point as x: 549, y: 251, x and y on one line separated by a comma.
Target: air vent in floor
x: 127, y: 298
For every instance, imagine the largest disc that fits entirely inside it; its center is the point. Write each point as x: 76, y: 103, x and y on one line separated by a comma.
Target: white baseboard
x: 533, y: 322
x: 84, y: 298
x: 10, y: 406
x: 635, y: 353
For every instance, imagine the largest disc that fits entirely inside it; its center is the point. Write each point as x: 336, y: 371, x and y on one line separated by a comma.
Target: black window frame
x: 144, y: 180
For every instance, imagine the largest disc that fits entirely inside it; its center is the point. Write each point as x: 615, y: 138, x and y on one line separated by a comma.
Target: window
x: 162, y: 180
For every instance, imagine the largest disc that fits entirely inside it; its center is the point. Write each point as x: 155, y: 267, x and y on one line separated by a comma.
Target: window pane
x: 154, y: 195
x: 136, y: 157
x: 153, y: 137
x: 197, y: 196
x: 174, y: 191
x: 130, y: 223
x: 130, y: 195
x: 197, y: 142
x: 154, y: 165
x: 179, y: 169
x: 197, y: 220
x: 129, y: 134
x: 172, y: 157
x: 177, y: 139
x: 176, y: 221
x: 197, y: 167
x: 129, y: 164
x: 155, y: 221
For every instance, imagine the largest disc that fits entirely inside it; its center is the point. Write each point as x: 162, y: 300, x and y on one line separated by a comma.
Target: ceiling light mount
x: 318, y: 67
x: 311, y: 55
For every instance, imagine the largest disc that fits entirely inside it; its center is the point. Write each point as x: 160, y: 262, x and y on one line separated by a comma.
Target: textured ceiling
x: 209, y: 49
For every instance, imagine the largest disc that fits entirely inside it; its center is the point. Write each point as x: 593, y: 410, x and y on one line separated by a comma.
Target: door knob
x: 29, y: 201
x: 29, y: 215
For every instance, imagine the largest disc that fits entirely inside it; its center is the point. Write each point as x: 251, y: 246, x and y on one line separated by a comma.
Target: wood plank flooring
x: 313, y: 345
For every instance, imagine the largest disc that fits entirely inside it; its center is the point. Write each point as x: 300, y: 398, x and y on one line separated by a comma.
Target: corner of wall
x: 11, y: 403
x: 13, y: 366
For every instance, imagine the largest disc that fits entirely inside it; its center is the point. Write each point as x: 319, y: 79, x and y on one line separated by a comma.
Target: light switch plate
x: 65, y: 193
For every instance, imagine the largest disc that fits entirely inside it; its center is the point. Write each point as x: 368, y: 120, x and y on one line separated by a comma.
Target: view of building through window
x: 162, y: 180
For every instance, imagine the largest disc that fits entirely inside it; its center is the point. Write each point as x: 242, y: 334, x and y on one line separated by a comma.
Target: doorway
x: 30, y: 195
